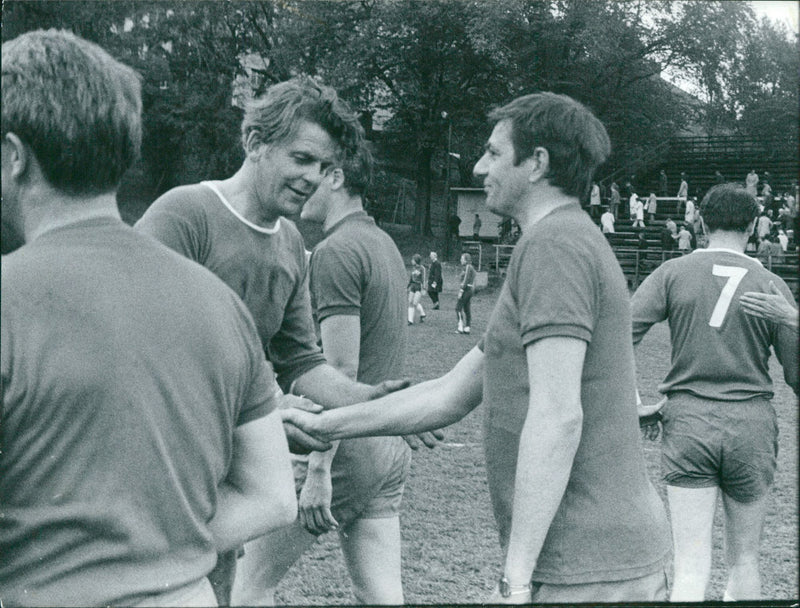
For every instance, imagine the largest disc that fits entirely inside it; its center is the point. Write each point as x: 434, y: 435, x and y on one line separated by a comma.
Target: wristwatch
x: 507, y: 589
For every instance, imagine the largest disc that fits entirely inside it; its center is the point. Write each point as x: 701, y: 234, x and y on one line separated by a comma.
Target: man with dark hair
x: 138, y: 439
x: 720, y: 430
x: 357, y: 280
x: 293, y: 137
x: 578, y: 517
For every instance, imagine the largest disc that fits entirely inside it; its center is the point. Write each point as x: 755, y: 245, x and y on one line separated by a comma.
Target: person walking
x: 435, y: 280
x: 720, y: 433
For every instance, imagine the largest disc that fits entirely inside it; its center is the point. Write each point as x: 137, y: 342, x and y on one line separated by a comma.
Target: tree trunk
x: 422, y: 204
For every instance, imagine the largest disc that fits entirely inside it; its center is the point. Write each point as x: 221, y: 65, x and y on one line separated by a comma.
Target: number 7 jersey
x: 718, y: 351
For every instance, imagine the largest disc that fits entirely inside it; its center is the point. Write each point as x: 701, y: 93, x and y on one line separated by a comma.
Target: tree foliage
x: 437, y: 66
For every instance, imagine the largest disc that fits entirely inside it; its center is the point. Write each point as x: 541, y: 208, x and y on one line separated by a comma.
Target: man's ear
x: 538, y: 164
x: 336, y: 178
x: 254, y: 147
x: 16, y: 157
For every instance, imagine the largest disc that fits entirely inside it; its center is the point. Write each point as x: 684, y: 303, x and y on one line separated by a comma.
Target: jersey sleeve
x: 554, y: 286
x: 335, y: 283
x: 260, y: 395
x: 649, y: 303
x: 177, y: 223
x: 293, y: 350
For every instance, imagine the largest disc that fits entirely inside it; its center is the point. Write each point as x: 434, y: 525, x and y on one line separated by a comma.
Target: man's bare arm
x: 257, y: 496
x: 548, y: 443
x: 425, y: 406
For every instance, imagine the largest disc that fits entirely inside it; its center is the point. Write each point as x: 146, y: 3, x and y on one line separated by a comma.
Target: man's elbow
x: 280, y: 509
x: 569, y: 427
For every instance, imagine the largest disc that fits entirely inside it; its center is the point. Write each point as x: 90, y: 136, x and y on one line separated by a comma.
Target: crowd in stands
x: 775, y: 229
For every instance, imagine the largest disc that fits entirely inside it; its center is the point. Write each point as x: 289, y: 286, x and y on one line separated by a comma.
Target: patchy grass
x: 450, y: 547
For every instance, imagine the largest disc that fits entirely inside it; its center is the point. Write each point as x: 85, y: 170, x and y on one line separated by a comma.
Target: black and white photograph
x: 386, y: 302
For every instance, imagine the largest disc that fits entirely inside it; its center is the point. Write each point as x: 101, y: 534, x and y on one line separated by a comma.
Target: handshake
x: 308, y: 427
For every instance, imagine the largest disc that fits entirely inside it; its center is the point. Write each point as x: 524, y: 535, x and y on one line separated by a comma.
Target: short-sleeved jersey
x: 125, y: 369
x: 267, y: 268
x: 718, y: 351
x: 357, y: 270
x: 564, y: 281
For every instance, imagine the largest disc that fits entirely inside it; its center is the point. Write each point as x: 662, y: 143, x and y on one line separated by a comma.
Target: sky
x: 785, y: 11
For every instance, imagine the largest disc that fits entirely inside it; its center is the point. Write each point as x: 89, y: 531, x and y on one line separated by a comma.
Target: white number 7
x: 735, y: 275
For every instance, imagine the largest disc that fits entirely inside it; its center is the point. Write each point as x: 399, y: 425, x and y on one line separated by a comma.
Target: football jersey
x: 718, y: 351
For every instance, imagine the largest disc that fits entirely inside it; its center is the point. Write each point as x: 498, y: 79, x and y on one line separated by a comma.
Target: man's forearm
x: 239, y: 518
x: 423, y: 407
x: 543, y: 467
x: 258, y: 493
x: 331, y: 388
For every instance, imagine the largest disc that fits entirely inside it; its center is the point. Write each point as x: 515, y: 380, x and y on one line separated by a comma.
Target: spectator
x: 613, y: 204
x: 669, y: 235
x: 683, y: 189
x: 637, y: 206
x: 627, y: 189
x: 718, y: 178
x: 684, y: 239
x: 632, y: 205
x: 607, y: 222
x: 776, y: 247
x: 783, y: 240
x: 435, y: 283
x: 751, y: 183
x: 764, y: 250
x: 476, y: 227
x: 663, y: 183
x: 594, y: 201
x: 642, y: 245
x: 763, y: 225
x: 689, y: 213
x: 652, y: 205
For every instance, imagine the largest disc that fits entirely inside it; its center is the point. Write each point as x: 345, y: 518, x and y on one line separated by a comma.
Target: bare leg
x: 743, y: 525
x: 265, y: 562
x: 371, y: 548
x: 692, y: 514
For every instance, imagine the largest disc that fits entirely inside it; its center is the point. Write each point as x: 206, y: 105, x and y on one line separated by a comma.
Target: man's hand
x: 649, y: 419
x: 314, y: 506
x: 300, y: 442
x: 307, y: 425
x: 429, y: 438
x: 772, y: 306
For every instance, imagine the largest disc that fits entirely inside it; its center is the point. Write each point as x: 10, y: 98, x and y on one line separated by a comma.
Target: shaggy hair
x: 76, y: 107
